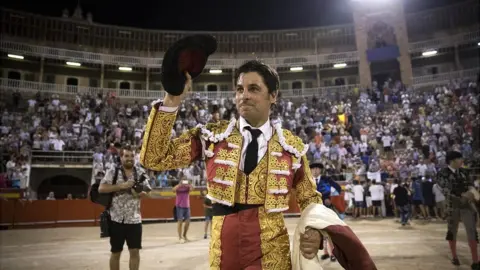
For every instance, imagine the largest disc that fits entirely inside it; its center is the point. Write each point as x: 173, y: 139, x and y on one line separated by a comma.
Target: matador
x: 253, y: 167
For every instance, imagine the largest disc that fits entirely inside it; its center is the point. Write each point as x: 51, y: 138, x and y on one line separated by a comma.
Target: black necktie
x: 251, y: 156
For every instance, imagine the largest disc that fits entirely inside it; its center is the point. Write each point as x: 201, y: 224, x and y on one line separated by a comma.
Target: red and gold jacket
x: 283, y: 168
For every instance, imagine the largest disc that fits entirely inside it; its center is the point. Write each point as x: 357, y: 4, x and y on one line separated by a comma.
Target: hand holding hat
x: 174, y: 101
x: 184, y: 61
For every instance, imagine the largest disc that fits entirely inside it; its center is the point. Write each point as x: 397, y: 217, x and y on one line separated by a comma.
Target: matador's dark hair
x: 269, y: 74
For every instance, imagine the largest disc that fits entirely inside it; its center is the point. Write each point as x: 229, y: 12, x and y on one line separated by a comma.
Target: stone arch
x: 61, y: 185
x: 39, y: 175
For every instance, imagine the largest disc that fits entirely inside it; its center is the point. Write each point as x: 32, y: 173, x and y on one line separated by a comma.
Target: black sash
x: 223, y: 210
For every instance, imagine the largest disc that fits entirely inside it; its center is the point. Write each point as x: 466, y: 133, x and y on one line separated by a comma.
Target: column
x: 360, y: 21
x: 42, y: 64
x: 102, y: 75
x: 458, y: 64
x: 148, y: 79
x: 319, y: 84
x: 317, y: 66
x: 401, y: 34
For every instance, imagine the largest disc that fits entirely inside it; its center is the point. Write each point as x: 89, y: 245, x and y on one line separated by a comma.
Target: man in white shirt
x: 31, y: 105
x: 436, y: 129
x: 387, y: 142
x: 358, y: 197
x: 349, y: 196
x: 422, y: 168
x: 363, y: 147
x: 378, y: 195
x: 355, y: 147
x: 58, y: 144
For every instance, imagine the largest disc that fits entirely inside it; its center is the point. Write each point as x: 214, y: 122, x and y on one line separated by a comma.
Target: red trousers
x: 250, y: 240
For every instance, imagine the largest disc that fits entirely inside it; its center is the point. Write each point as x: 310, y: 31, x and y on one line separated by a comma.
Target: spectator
x: 358, y: 195
x: 182, y: 205
x: 401, y: 196
x: 207, y: 204
x: 378, y: 194
x: 428, y: 196
x: 51, y: 196
x: 439, y: 201
x: 363, y: 129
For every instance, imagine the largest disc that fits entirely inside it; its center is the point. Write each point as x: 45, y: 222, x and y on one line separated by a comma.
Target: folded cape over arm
x: 348, y: 249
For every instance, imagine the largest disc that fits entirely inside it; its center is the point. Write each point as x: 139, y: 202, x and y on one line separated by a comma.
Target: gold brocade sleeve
x: 159, y: 152
x: 305, y: 187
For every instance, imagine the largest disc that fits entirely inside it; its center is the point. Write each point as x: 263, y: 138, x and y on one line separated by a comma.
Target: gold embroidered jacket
x: 283, y: 168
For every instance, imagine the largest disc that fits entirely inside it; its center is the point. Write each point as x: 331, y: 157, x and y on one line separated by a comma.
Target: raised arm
x: 305, y: 187
x: 161, y: 153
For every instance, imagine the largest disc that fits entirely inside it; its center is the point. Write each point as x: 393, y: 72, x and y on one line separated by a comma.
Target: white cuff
x: 168, y: 109
x: 163, y: 108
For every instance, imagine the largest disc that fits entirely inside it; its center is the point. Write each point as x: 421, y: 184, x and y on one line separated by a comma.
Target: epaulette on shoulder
x: 296, y: 141
x: 217, y: 132
x: 218, y: 127
x: 291, y: 143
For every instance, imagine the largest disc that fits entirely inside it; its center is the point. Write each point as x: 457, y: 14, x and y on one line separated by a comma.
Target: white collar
x: 452, y: 169
x: 266, y: 128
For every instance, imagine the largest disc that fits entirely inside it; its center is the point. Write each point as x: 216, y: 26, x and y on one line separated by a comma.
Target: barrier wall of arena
x: 66, y: 213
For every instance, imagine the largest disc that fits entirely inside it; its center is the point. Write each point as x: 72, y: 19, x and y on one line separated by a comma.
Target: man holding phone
x: 182, y: 204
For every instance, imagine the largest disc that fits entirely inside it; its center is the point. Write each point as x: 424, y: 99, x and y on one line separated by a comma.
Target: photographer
x: 126, y: 220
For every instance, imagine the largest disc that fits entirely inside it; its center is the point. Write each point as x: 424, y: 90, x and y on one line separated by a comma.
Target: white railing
x: 61, y: 89
x: 132, y: 61
x: 61, y: 157
x: 435, y: 44
x: 121, y: 60
x: 443, y: 78
x: 331, y: 91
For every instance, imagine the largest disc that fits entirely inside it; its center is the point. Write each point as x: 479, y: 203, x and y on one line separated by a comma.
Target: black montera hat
x: 188, y: 54
x: 452, y: 155
x: 316, y: 164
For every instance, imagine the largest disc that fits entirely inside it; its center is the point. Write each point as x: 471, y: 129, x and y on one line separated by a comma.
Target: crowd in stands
x: 383, y: 133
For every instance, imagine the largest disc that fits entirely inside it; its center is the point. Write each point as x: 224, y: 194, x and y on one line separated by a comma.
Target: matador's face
x: 252, y: 98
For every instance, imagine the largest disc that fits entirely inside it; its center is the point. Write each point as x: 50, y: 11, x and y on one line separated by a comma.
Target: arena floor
x: 421, y: 246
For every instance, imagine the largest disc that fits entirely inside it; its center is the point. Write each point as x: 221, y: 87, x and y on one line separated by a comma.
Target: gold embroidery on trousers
x: 215, y: 253
x: 275, y: 242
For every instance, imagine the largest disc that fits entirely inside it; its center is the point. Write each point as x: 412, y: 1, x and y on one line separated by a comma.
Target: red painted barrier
x: 63, y: 213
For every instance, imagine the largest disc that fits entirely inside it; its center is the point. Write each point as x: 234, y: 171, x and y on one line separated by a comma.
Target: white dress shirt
x: 267, y: 132
x: 266, y: 129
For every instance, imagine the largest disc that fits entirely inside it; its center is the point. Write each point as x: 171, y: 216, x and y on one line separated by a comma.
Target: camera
x: 140, y: 186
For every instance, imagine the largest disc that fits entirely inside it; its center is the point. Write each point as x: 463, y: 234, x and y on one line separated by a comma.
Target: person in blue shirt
x: 324, y: 186
x: 324, y: 182
x: 417, y: 195
x: 365, y: 159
